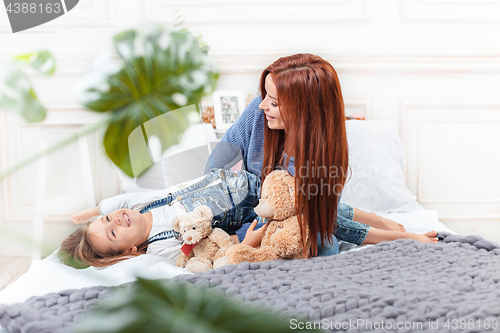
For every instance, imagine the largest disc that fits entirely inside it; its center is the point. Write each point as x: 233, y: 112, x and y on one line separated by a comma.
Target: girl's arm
x: 128, y: 200
x: 106, y: 206
x: 236, y: 140
x: 85, y: 215
x: 376, y: 236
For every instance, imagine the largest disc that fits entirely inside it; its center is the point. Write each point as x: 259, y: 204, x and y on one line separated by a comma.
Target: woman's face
x: 122, y: 231
x: 271, y: 107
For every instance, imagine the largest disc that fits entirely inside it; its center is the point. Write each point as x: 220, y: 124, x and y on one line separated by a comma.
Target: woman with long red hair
x: 314, y: 134
x: 298, y: 123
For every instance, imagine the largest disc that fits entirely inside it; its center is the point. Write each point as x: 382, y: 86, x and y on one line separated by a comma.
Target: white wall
x: 431, y: 66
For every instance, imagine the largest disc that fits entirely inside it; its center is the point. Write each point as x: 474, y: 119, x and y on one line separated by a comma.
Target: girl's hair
x: 311, y: 105
x: 78, y: 247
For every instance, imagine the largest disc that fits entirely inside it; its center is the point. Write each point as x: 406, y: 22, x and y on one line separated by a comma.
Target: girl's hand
x: 84, y: 216
x: 253, y: 237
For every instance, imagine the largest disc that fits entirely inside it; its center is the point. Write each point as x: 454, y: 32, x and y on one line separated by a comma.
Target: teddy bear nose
x: 255, y: 203
x: 188, y: 238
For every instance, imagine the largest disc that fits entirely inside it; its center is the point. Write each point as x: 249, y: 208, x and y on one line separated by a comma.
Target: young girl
x: 128, y: 227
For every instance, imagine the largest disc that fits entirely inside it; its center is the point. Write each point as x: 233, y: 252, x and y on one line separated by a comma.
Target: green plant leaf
x: 179, y: 307
x: 16, y: 91
x: 71, y: 261
x: 17, y: 95
x: 42, y: 61
x: 161, y: 70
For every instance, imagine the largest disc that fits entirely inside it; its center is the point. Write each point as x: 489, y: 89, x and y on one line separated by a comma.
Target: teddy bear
x: 202, y: 244
x: 283, y: 238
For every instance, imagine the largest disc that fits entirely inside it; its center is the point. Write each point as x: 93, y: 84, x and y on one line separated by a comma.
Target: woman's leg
x: 359, y: 233
x: 376, y: 236
x: 376, y: 221
x: 328, y: 248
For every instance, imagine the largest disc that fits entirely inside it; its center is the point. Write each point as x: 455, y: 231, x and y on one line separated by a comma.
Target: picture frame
x: 228, y: 106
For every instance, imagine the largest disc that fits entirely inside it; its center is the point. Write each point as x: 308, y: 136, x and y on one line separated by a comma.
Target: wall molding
x: 232, y: 63
x: 68, y: 64
x: 88, y: 14
x: 62, y: 120
x: 420, y: 176
x: 478, y: 61
x: 446, y: 11
x: 362, y: 105
x: 413, y: 116
x: 342, y: 11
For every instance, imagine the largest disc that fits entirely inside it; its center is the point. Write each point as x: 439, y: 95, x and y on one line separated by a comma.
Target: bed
x: 397, y: 282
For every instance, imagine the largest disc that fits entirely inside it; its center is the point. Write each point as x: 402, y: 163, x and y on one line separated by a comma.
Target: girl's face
x: 122, y: 231
x: 270, y: 106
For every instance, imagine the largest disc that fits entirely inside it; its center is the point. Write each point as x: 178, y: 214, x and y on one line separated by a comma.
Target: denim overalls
x: 230, y: 196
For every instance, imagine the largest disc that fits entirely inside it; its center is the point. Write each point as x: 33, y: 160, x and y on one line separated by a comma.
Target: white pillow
x: 377, y: 164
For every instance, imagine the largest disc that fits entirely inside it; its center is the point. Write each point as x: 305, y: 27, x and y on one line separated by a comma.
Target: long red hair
x: 312, y: 108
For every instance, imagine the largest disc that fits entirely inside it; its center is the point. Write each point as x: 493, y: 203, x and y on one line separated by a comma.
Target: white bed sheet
x: 48, y: 275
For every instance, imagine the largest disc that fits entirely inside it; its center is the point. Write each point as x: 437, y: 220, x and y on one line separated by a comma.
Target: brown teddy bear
x: 282, y: 239
x: 202, y: 244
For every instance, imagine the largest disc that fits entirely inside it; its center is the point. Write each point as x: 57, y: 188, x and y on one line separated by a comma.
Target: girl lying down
x: 136, y: 223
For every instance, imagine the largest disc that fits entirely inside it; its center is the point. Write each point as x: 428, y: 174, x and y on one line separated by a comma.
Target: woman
x: 298, y: 123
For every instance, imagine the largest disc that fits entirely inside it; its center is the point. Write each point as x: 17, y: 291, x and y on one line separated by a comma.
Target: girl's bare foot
x: 429, y: 237
x: 85, y: 215
x: 78, y: 218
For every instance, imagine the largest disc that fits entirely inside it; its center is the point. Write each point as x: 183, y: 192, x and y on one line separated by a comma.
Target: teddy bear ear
x: 204, y: 212
x: 175, y: 223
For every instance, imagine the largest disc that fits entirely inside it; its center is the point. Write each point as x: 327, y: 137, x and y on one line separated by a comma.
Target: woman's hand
x: 85, y: 215
x: 253, y: 237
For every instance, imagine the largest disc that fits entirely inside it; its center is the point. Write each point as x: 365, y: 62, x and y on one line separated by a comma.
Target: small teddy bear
x: 283, y: 238
x: 202, y: 244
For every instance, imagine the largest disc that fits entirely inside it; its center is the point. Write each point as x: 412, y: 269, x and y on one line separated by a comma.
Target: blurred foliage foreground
x: 151, y: 88
x: 179, y: 307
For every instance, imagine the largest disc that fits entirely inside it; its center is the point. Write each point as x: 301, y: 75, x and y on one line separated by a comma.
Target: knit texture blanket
x: 399, y: 286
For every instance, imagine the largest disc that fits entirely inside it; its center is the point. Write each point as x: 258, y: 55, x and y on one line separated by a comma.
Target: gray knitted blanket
x: 399, y: 286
